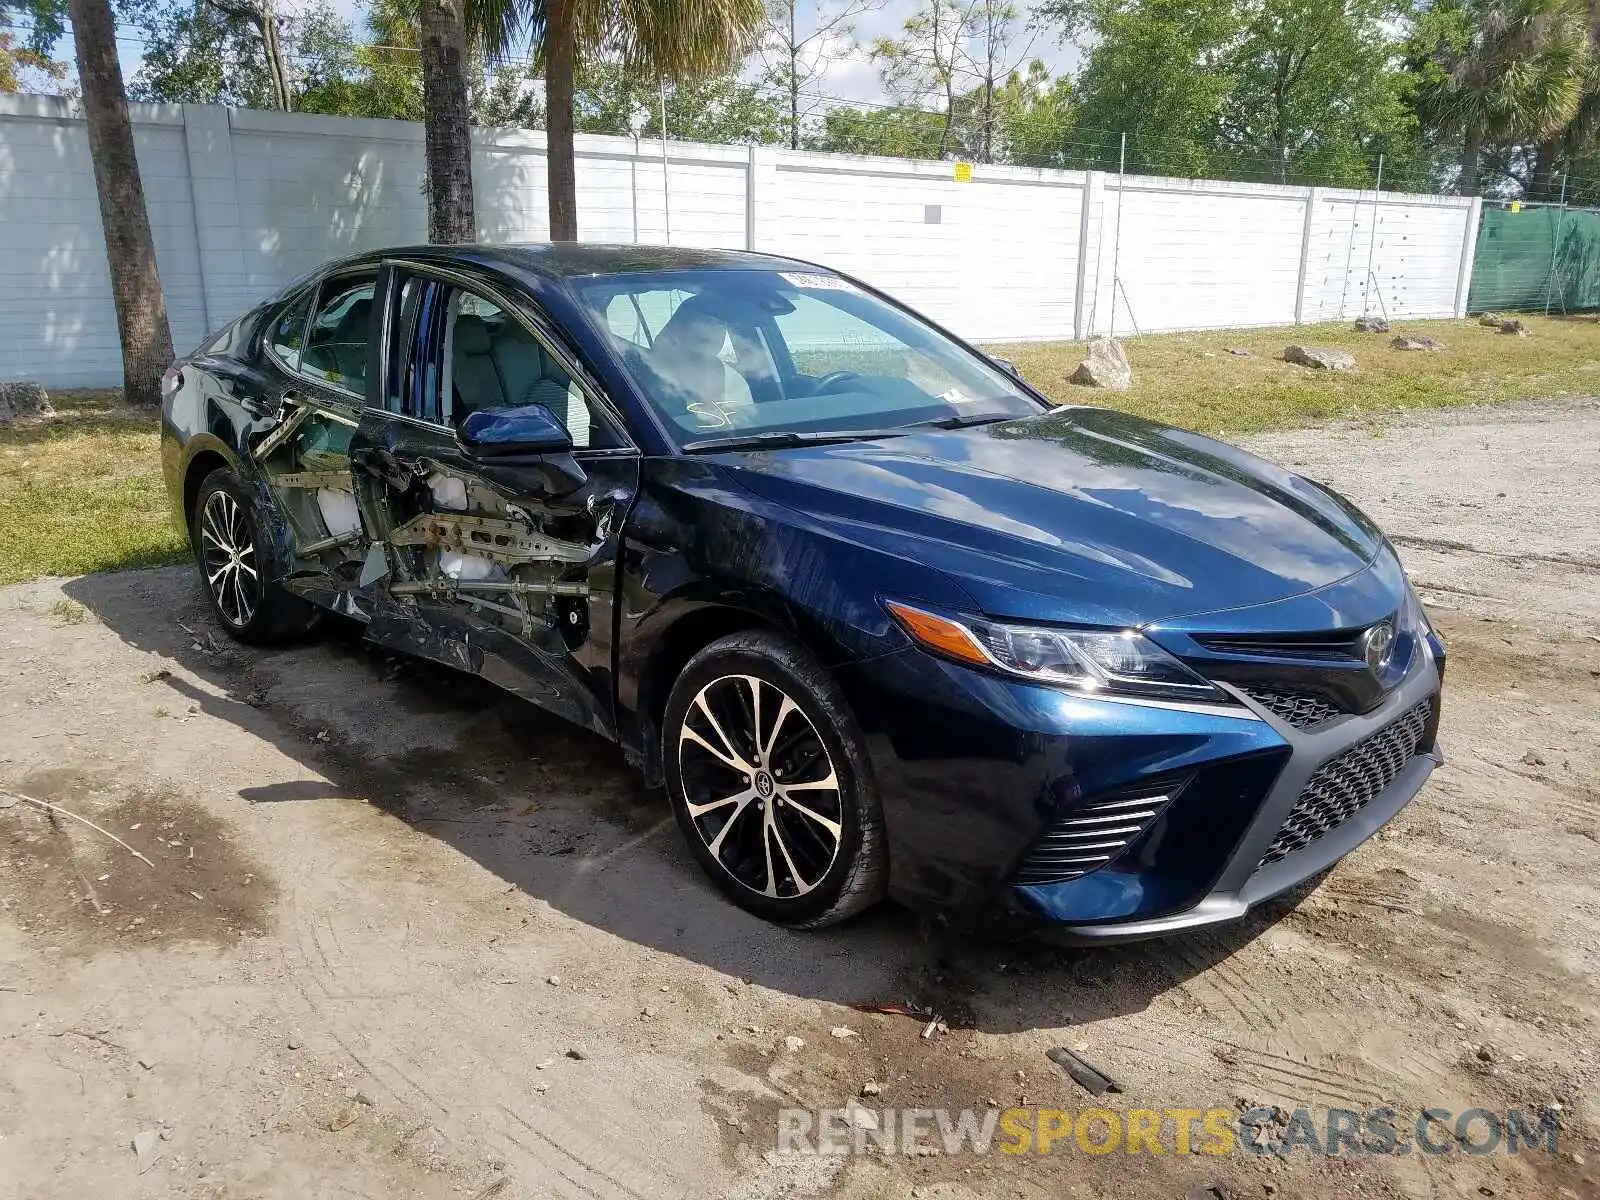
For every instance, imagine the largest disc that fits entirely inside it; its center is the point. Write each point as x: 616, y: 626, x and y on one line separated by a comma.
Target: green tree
x: 1311, y: 81
x: 1498, y: 73
x: 200, y: 52
x: 931, y: 61
x: 1156, y: 73
x: 1036, y: 119
x: 893, y: 132
x: 23, y: 69
x: 721, y: 109
x: 796, y: 51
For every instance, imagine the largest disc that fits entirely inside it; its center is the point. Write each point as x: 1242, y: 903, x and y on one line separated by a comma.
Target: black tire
x: 226, y: 512
x: 802, y: 886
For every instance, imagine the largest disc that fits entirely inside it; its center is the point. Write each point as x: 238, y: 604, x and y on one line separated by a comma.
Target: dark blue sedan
x: 881, y: 619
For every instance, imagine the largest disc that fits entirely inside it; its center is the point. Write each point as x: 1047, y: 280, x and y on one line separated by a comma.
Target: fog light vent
x: 1095, y: 833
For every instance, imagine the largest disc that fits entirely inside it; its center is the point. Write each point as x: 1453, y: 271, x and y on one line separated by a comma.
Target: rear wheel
x: 238, y: 569
x: 770, y: 783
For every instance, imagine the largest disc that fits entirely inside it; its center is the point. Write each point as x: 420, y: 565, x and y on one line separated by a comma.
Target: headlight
x: 1114, y: 662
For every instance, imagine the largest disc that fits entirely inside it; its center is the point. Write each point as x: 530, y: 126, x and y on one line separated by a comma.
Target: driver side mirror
x: 1006, y: 365
x: 529, y: 430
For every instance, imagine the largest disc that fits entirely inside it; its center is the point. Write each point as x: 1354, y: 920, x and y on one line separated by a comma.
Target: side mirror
x: 530, y: 430
x: 1006, y: 365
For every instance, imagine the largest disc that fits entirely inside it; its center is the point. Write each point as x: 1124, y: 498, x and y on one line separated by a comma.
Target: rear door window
x: 337, y: 338
x: 287, y: 335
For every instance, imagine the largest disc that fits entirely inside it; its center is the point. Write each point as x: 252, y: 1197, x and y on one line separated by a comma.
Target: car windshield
x: 735, y: 353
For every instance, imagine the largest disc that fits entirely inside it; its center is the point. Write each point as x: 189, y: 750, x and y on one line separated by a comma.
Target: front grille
x: 1348, y: 782
x: 1303, y: 710
x: 1339, y: 644
x: 1095, y: 833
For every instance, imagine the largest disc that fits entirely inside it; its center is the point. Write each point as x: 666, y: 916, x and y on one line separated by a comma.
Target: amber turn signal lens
x: 938, y: 633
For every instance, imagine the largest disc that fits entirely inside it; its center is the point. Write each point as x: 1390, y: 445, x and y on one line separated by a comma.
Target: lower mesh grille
x: 1096, y: 833
x: 1303, y: 710
x: 1348, y: 782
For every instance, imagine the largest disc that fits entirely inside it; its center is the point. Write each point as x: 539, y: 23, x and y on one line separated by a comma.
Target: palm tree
x: 664, y: 38
x: 135, y: 281
x: 1581, y: 132
x: 447, y: 121
x: 1517, y: 77
x: 661, y: 38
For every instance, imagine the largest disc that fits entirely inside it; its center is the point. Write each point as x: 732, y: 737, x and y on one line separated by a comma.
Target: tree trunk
x: 794, y: 81
x: 135, y: 281
x: 447, y: 122
x: 1542, y: 183
x: 1467, y: 184
x: 561, y: 53
x: 267, y: 23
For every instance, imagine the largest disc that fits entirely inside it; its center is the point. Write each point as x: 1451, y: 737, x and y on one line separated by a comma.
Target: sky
x: 846, y: 73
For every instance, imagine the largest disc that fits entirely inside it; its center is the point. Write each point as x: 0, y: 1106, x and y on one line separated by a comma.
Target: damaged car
x: 881, y: 619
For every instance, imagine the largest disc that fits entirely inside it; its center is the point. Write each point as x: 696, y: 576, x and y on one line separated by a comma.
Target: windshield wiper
x: 965, y: 420
x: 779, y: 438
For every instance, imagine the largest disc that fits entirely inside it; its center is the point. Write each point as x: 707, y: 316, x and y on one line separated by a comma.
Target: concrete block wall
x: 241, y: 202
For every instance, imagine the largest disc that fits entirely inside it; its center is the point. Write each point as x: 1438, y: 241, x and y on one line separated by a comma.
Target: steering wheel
x: 831, y: 378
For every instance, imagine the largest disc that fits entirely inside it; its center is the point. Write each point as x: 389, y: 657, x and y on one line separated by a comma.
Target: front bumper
x: 973, y: 769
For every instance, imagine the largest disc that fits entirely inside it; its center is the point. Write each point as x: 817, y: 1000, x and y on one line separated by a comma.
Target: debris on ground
x: 843, y: 1031
x: 577, y: 1052
x: 57, y: 810
x: 1533, y: 758
x: 1320, y: 358
x: 295, y: 1041
x: 1514, y: 328
x: 794, y: 1044
x: 1084, y: 1073
x: 147, y: 1148
x: 1416, y: 341
x: 1371, y: 325
x: 871, y: 1088
x: 936, y: 1025
x: 909, y: 1009
x: 344, y: 1118
x: 1240, y: 352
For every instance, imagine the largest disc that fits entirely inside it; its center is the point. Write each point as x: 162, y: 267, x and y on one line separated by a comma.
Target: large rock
x: 1514, y: 328
x: 1371, y: 325
x: 1105, y: 366
x: 1490, y: 319
x: 1322, y: 358
x: 1416, y: 341
x: 23, y: 401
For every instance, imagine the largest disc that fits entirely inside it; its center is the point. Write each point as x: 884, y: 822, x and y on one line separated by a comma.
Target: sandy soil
x: 398, y: 936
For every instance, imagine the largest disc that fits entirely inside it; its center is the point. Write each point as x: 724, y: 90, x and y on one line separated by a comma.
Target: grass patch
x: 82, y: 492
x: 1190, y: 379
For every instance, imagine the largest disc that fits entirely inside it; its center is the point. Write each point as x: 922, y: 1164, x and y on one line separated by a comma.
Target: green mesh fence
x: 1538, y: 258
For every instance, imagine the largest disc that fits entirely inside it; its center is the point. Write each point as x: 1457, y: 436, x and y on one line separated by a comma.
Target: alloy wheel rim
x: 761, y: 789
x: 228, y: 553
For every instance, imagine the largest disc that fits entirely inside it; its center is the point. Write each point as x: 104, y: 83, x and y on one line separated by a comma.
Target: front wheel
x: 770, y: 783
x: 237, y: 568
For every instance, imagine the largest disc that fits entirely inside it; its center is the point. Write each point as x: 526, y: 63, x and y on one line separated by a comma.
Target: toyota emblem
x: 1377, y: 644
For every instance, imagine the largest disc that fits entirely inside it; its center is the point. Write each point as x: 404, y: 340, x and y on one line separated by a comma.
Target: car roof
x: 565, y: 260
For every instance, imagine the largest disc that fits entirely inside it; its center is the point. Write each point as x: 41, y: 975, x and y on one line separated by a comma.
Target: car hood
x: 1080, y: 514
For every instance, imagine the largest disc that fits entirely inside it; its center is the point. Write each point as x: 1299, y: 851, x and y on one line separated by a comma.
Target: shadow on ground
x: 553, y: 811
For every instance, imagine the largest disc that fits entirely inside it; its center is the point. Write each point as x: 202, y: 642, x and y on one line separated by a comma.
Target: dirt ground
x: 393, y: 935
